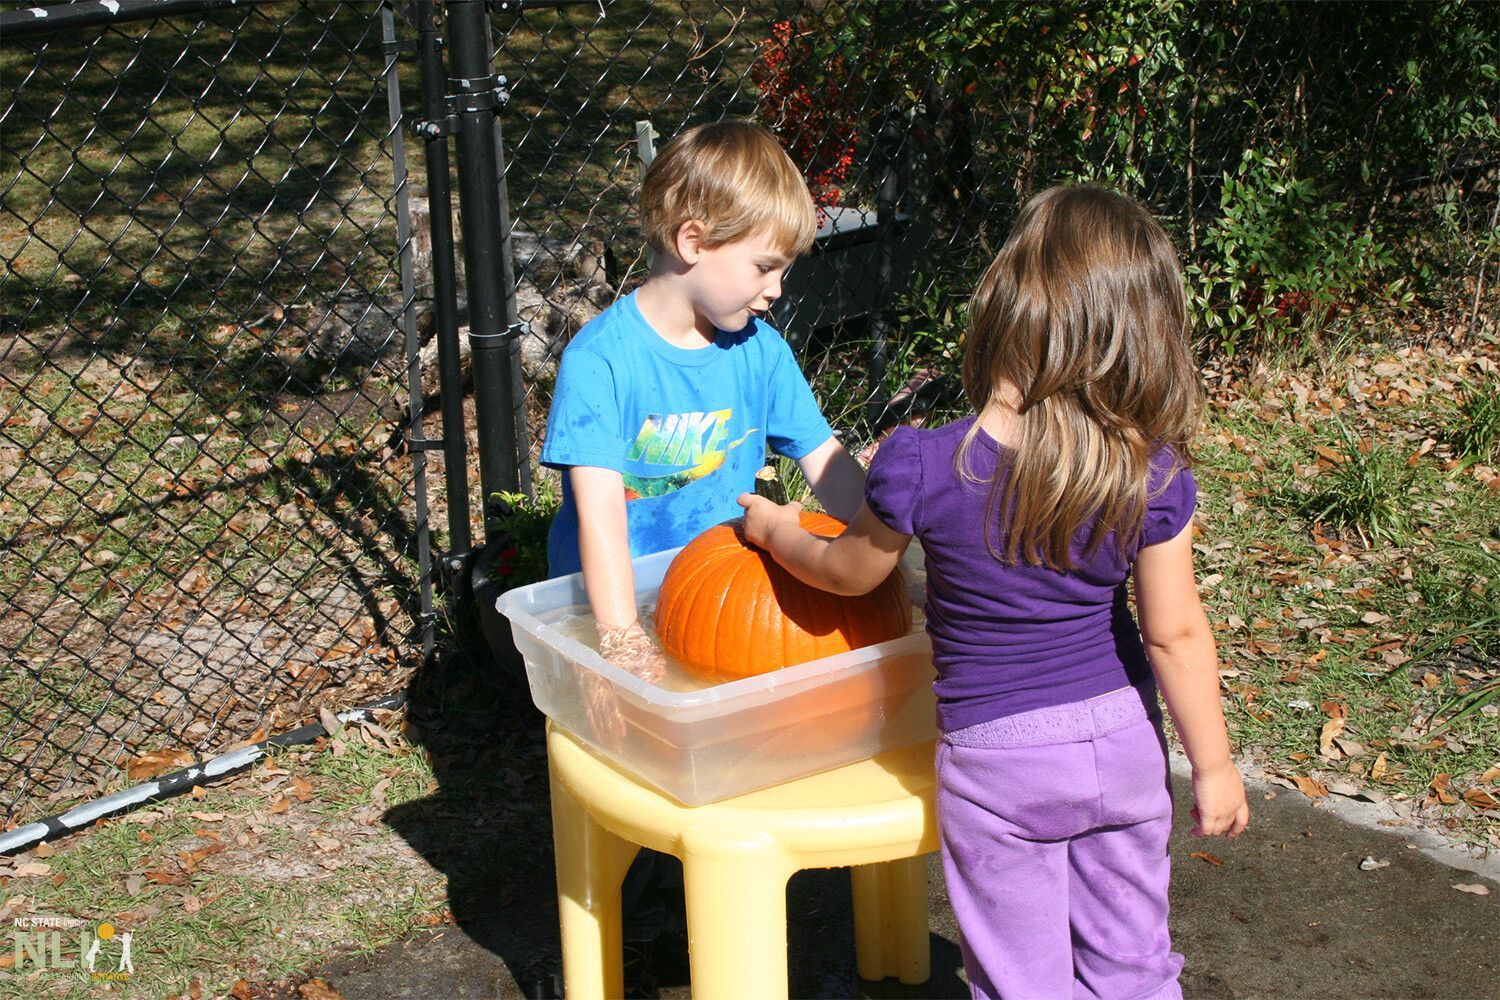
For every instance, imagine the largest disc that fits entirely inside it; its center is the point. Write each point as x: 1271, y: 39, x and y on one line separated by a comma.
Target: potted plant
x: 515, y: 556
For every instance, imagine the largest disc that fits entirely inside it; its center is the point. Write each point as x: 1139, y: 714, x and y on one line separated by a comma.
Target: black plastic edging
x: 168, y: 785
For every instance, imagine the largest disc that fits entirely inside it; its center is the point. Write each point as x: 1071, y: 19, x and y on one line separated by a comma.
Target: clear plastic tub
x: 706, y: 745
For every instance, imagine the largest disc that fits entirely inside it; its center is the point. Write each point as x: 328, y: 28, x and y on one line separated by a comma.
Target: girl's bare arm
x: 854, y: 563
x: 1180, y: 646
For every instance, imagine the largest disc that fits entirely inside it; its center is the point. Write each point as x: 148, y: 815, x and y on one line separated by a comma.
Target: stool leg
x: 591, y: 865
x: 890, y: 920
x: 736, y: 909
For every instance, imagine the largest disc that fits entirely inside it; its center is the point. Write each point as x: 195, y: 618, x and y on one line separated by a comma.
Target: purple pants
x: 1054, y: 826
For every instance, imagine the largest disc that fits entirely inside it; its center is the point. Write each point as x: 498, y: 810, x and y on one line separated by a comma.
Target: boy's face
x: 732, y: 282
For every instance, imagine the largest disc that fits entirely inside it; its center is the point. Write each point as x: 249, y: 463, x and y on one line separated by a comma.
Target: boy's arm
x: 608, y: 577
x: 604, y: 544
x: 836, y: 479
x: 1180, y: 646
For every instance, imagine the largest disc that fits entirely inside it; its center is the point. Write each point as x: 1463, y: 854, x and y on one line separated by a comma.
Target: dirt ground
x: 1285, y: 912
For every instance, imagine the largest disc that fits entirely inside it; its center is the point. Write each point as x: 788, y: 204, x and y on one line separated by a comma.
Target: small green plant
x: 1366, y: 492
x: 1464, y: 597
x: 523, y: 523
x: 1476, y: 434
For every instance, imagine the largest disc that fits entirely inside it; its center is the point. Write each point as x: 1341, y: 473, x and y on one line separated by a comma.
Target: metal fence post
x: 475, y: 93
x: 444, y: 283
x: 888, y: 152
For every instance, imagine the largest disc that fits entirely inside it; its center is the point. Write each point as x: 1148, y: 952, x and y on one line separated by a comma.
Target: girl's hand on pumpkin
x: 762, y: 517
x: 632, y: 649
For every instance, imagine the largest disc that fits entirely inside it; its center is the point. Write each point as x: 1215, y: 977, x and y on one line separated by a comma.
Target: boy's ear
x: 690, y: 237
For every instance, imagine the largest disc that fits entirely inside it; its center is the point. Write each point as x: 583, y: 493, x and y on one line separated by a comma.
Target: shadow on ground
x: 488, y: 828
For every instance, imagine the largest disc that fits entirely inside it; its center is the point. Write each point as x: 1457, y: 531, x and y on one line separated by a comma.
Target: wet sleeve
x: 583, y: 426
x: 1169, y: 508
x: 795, y: 425
x: 893, y: 487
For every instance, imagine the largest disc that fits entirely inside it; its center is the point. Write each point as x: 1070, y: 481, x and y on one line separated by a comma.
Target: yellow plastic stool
x: 876, y: 815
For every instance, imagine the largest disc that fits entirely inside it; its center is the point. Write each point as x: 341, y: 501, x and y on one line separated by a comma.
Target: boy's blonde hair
x: 1083, y: 312
x: 734, y: 177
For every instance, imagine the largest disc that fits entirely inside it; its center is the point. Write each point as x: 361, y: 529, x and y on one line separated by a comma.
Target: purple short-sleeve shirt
x: 1009, y: 639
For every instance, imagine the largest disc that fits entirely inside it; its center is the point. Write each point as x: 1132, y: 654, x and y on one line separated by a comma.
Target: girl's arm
x: 854, y: 563
x: 608, y: 577
x: 1180, y: 646
x: 836, y: 479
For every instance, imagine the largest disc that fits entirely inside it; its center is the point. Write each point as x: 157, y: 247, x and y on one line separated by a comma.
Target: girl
x: 1053, y: 793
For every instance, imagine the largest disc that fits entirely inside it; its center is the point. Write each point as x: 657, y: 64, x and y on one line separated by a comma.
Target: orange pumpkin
x: 727, y: 610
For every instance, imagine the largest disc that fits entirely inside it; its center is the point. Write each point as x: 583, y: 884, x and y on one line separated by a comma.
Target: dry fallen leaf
x: 1477, y: 888
x: 1349, y: 747
x: 1480, y: 799
x: 1311, y: 787
x: 281, y: 805
x: 1332, y: 729
x: 1379, y: 768
x: 1491, y: 775
x: 157, y: 762
x: 43, y: 850
x: 318, y: 989
x: 166, y: 878
x: 33, y: 869
x: 331, y: 723
x: 302, y: 788
x: 14, y: 905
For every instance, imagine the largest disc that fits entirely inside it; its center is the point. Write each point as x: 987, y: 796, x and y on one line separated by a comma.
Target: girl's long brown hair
x: 1083, y: 312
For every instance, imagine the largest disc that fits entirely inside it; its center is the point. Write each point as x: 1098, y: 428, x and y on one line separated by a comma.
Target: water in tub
x: 577, y: 623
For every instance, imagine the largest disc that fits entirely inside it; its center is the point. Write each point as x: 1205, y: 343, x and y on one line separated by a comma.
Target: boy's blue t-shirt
x: 687, y: 429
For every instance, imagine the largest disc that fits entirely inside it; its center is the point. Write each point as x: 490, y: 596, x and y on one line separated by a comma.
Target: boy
x: 666, y: 401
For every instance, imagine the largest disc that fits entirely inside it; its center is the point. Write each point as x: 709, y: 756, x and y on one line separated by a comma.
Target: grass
x: 1373, y: 602
x: 1476, y: 433
x: 1366, y: 493
x: 259, y: 904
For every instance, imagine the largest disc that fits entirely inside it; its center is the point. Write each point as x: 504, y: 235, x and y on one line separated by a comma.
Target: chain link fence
x: 209, y: 524
x: 209, y: 520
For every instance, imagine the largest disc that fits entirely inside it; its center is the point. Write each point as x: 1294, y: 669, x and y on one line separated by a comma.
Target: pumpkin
x: 727, y: 610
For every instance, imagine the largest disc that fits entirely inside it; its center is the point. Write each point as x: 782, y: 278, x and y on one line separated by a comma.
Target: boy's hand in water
x: 631, y: 649
x: 1219, y: 802
x: 762, y: 517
